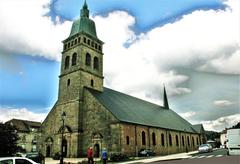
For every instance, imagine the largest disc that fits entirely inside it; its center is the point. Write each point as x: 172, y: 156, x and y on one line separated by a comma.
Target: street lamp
x: 63, y: 116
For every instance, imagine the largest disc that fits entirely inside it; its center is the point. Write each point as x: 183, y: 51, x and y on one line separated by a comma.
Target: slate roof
x: 133, y: 110
x: 198, y: 127
x: 24, y: 125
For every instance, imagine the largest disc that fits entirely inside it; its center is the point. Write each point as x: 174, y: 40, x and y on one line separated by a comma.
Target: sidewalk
x: 145, y: 160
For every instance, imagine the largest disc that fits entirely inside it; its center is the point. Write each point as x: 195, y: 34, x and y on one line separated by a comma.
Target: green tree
x: 8, y: 140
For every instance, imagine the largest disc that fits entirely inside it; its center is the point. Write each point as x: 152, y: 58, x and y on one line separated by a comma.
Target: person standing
x: 90, y: 155
x: 104, y: 156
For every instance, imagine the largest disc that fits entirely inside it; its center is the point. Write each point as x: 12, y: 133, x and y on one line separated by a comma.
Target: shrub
x: 118, y: 157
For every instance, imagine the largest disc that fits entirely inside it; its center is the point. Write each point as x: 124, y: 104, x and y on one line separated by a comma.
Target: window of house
x: 153, y: 138
x: 99, y: 48
x: 183, y: 141
x: 143, y: 138
x: 193, y: 143
x: 84, y: 40
x: 127, y: 140
x: 88, y: 42
x: 66, y: 62
x: 79, y: 39
x: 170, y: 139
x: 68, y: 82
x: 92, y: 44
x: 74, y: 59
x: 69, y: 45
x: 188, y: 142
x: 162, y: 139
x: 92, y: 83
x: 177, y: 142
x: 96, y: 63
x: 96, y: 45
x: 65, y: 47
x: 75, y: 41
x: 88, y: 59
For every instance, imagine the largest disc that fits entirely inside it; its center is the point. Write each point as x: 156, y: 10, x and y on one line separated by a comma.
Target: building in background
x: 28, y: 132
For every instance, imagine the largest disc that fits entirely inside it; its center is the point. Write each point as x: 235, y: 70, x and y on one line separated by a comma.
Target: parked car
x: 16, y: 160
x: 205, y: 148
x: 146, y: 153
x: 37, y: 157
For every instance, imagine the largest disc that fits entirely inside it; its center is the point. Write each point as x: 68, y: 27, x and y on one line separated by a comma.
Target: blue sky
x: 203, y: 85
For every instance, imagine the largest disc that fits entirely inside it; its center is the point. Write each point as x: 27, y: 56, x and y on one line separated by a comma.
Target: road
x: 216, y: 157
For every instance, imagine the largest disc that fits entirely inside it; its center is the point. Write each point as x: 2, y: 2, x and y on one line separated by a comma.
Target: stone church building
x: 104, y: 118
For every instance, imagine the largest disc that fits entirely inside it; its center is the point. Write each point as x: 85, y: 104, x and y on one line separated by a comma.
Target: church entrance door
x: 64, y: 148
x: 96, y: 150
x: 48, y: 151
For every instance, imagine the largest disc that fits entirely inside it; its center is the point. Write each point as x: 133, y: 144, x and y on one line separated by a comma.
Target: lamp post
x: 63, y: 116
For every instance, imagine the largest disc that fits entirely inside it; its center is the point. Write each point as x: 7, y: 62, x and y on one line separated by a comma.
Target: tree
x: 8, y: 140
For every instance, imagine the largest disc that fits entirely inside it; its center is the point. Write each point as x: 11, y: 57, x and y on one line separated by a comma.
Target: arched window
x: 153, y: 139
x: 88, y: 59
x: 183, y: 141
x: 99, y: 48
x: 188, y: 142
x: 75, y: 41
x: 88, y: 42
x: 127, y: 140
x: 66, y: 62
x: 92, y: 83
x: 177, y: 143
x: 193, y: 143
x: 162, y: 139
x: 170, y: 139
x: 68, y: 82
x: 143, y: 138
x: 96, y: 63
x: 74, y: 59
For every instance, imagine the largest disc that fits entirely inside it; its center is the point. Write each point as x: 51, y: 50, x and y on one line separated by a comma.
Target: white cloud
x: 202, y: 40
x: 221, y: 123
x: 187, y: 115
x: 25, y: 29
x: 223, y: 103
x: 22, y: 113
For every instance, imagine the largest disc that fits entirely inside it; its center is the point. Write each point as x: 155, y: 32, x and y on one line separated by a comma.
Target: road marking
x: 219, y: 155
x: 193, y: 157
x: 209, y: 156
x: 201, y: 156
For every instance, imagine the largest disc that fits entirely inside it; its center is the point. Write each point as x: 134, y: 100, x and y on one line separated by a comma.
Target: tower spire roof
x: 84, y: 10
x: 165, y: 99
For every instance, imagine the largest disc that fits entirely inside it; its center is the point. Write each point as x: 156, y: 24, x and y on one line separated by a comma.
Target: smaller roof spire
x: 84, y: 10
x: 165, y: 99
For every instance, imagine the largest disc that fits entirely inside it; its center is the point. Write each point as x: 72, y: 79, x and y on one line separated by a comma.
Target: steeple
x: 165, y: 99
x: 84, y: 10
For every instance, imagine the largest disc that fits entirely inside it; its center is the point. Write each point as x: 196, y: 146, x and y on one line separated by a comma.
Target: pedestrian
x: 104, y: 156
x: 90, y: 155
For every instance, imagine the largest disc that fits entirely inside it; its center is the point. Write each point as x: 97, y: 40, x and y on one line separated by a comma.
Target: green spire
x: 84, y: 10
x: 165, y: 99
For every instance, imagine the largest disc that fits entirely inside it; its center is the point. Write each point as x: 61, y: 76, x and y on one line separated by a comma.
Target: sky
x: 192, y: 47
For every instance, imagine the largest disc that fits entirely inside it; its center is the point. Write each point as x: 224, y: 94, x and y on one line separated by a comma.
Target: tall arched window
x: 188, y: 142
x: 153, y: 138
x: 127, y: 140
x: 143, y: 138
x: 74, y: 59
x: 170, y: 139
x: 177, y: 142
x: 193, y: 143
x: 162, y: 139
x: 183, y: 141
x: 95, y: 63
x: 88, y: 59
x: 66, y: 62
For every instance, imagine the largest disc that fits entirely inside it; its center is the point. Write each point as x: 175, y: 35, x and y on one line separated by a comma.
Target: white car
x: 16, y: 160
x: 205, y: 148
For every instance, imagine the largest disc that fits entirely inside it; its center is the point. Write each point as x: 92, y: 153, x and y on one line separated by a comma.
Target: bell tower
x: 82, y: 59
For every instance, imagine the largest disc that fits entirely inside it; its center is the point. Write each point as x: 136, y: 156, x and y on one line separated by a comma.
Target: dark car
x: 36, y: 157
x: 146, y: 153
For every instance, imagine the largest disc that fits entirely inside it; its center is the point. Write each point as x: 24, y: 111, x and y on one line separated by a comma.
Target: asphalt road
x: 215, y: 157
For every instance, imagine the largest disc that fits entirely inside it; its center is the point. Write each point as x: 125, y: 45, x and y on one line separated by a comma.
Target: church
x: 100, y: 117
